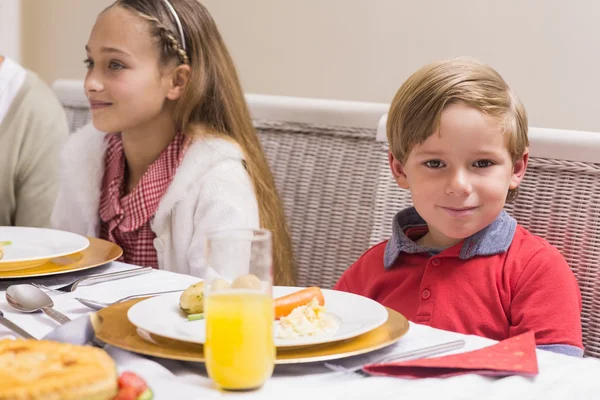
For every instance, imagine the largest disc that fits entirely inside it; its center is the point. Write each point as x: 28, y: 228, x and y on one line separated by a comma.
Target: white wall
x: 54, y: 35
x: 10, y: 29
x: 548, y: 50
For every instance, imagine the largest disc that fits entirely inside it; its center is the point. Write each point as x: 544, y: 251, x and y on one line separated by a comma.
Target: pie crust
x: 43, y: 370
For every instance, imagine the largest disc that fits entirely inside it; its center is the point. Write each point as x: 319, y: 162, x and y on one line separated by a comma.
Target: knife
x: 14, y: 327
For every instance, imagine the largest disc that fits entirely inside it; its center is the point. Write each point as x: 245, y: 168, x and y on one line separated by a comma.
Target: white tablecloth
x: 560, y: 377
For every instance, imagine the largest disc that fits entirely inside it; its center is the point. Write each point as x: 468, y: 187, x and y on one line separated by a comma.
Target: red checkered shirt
x: 125, y: 219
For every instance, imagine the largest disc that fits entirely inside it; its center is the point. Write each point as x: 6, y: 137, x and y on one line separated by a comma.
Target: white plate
x: 357, y: 315
x: 38, y: 244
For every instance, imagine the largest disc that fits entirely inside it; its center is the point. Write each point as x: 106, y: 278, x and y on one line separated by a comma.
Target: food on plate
x: 132, y: 387
x: 286, y: 304
x: 42, y: 369
x: 2, y: 244
x: 246, y: 282
x: 299, y: 314
x: 307, y: 320
x: 195, y: 317
x: 192, y: 299
x: 218, y: 284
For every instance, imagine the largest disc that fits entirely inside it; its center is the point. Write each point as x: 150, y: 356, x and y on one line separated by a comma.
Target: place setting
x: 38, y: 264
x: 237, y: 310
x: 38, y: 252
x: 240, y: 327
x: 240, y: 310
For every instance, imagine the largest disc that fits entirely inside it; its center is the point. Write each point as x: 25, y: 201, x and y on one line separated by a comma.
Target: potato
x: 246, y: 282
x: 192, y: 299
x: 218, y: 284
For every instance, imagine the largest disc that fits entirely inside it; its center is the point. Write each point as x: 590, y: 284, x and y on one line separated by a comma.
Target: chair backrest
x: 72, y: 97
x: 324, y: 158
x: 559, y: 200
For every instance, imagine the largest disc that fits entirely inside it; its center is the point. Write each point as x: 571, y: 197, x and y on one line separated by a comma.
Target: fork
x: 97, y: 279
x: 99, y: 305
x: 412, y: 354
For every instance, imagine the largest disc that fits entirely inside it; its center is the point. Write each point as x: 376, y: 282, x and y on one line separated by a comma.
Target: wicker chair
x: 72, y: 97
x: 559, y: 200
x: 324, y: 157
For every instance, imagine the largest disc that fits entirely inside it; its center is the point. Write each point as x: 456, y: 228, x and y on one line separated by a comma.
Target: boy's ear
x: 179, y: 78
x: 398, y: 171
x: 519, y: 168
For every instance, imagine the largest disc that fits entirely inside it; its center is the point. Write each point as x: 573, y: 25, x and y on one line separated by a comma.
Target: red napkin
x: 513, y: 356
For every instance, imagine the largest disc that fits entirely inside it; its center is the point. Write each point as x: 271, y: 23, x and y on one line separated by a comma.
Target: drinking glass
x: 238, y: 308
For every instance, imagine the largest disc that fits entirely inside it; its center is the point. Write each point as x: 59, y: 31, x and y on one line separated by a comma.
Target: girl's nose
x: 92, y: 83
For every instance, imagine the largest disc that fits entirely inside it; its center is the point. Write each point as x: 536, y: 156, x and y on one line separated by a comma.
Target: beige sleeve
x: 37, y: 170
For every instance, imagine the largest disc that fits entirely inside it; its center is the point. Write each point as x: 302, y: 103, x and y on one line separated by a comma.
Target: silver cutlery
x: 412, y: 354
x: 99, y: 305
x: 96, y: 279
x: 14, y: 327
x: 28, y: 298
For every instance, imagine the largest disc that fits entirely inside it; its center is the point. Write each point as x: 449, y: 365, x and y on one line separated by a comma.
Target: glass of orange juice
x: 238, y: 308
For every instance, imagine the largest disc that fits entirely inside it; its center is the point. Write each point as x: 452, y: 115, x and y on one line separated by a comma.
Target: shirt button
x: 158, y: 245
x: 436, y: 261
x: 425, y: 294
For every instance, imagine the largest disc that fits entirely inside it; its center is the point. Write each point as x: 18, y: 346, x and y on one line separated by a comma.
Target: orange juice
x: 239, y: 348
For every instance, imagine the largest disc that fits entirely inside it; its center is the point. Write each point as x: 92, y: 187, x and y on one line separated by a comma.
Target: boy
x: 456, y: 261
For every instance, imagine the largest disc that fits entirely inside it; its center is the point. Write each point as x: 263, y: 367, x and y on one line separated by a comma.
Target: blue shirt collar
x: 493, y: 239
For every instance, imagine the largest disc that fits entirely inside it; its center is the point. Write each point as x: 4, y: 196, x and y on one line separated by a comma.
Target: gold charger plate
x: 22, y: 265
x: 112, y: 327
x: 99, y: 252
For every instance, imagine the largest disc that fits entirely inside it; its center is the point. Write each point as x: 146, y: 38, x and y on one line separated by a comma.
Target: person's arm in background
x: 46, y: 130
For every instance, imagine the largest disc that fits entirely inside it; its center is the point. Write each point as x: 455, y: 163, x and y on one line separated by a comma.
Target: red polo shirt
x: 499, y: 283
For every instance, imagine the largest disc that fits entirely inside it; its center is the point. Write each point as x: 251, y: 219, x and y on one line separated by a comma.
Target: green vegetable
x: 146, y: 395
x: 6, y: 243
x: 194, y: 317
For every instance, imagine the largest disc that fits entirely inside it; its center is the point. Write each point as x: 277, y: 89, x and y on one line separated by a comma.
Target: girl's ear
x: 178, y: 80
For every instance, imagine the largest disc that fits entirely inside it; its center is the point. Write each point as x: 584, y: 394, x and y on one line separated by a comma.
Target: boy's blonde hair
x: 417, y: 107
x: 213, y: 103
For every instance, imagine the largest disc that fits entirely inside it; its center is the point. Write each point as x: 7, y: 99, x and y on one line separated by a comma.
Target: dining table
x: 560, y: 376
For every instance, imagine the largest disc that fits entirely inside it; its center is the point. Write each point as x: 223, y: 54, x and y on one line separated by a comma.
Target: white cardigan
x: 211, y: 190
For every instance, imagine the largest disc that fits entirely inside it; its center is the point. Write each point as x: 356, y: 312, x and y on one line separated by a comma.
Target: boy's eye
x: 483, y: 163
x: 434, y: 164
x: 88, y: 63
x: 115, y: 65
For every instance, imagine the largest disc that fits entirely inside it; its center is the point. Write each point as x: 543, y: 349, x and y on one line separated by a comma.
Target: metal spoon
x: 14, y: 327
x: 28, y: 298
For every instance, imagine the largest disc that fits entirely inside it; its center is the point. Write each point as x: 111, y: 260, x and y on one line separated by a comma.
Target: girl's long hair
x: 213, y: 103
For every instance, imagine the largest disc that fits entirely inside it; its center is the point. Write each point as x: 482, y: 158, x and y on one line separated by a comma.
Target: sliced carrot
x: 284, y: 305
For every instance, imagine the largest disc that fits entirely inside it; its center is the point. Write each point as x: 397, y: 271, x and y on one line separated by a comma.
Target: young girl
x: 183, y: 157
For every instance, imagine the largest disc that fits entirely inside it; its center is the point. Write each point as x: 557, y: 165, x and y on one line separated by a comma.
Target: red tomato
x: 131, y: 380
x: 127, y: 393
